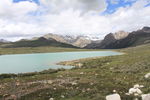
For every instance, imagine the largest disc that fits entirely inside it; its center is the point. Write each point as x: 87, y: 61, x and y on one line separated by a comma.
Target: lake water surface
x: 21, y: 63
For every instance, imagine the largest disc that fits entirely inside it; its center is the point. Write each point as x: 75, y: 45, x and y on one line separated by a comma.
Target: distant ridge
x: 78, y: 41
x: 3, y: 41
x: 38, y: 43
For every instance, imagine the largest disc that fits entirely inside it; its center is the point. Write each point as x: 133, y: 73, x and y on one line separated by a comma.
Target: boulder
x: 113, y: 97
x: 146, y: 97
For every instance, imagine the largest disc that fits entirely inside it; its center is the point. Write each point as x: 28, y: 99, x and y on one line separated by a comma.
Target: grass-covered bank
x: 13, y: 75
x: 44, y: 49
x: 95, y: 79
x: 27, y: 50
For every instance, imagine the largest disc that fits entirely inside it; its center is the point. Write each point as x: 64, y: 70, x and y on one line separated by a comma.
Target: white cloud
x: 130, y: 0
x: 57, y: 6
x: 69, y: 17
x: 10, y: 10
x: 131, y: 18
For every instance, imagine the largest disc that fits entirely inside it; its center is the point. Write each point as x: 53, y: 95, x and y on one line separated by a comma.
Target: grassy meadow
x: 44, y: 49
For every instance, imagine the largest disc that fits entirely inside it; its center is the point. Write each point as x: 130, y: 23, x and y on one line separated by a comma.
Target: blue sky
x: 36, y: 1
x: 121, y: 3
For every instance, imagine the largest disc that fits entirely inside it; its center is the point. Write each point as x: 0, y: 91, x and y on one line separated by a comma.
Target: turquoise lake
x: 22, y: 63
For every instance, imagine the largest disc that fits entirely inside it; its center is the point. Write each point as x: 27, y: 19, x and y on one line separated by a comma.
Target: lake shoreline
x: 78, y: 61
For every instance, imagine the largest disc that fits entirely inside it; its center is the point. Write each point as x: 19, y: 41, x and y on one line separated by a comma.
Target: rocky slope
x: 110, y: 38
x: 58, y: 38
x: 123, y: 39
x: 79, y: 41
x: 133, y: 39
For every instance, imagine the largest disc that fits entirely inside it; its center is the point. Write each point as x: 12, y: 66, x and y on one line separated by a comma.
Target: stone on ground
x: 146, y: 97
x: 113, y: 97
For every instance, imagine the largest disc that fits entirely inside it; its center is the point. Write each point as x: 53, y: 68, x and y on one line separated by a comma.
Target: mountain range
x: 78, y: 41
x: 123, y: 39
x: 116, y: 40
x: 3, y: 41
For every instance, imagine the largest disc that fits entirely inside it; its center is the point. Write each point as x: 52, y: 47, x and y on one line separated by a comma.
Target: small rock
x: 5, y: 95
x: 49, y: 82
x: 114, y: 91
x: 136, y: 86
x: 96, y: 74
x: 17, y: 83
x: 71, y: 88
x: 60, y: 76
x: 47, y: 93
x: 14, y: 97
x: 67, y: 88
x: 147, y: 76
x: 83, y: 90
x: 108, y: 63
x: 81, y: 73
x: 51, y: 98
x: 141, y: 86
x: 62, y: 96
x: 91, y: 83
x: 80, y: 65
x: 88, y: 89
x: 74, y: 83
x: 77, y: 87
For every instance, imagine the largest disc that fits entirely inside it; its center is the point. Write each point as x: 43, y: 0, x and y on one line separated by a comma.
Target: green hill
x: 38, y: 43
